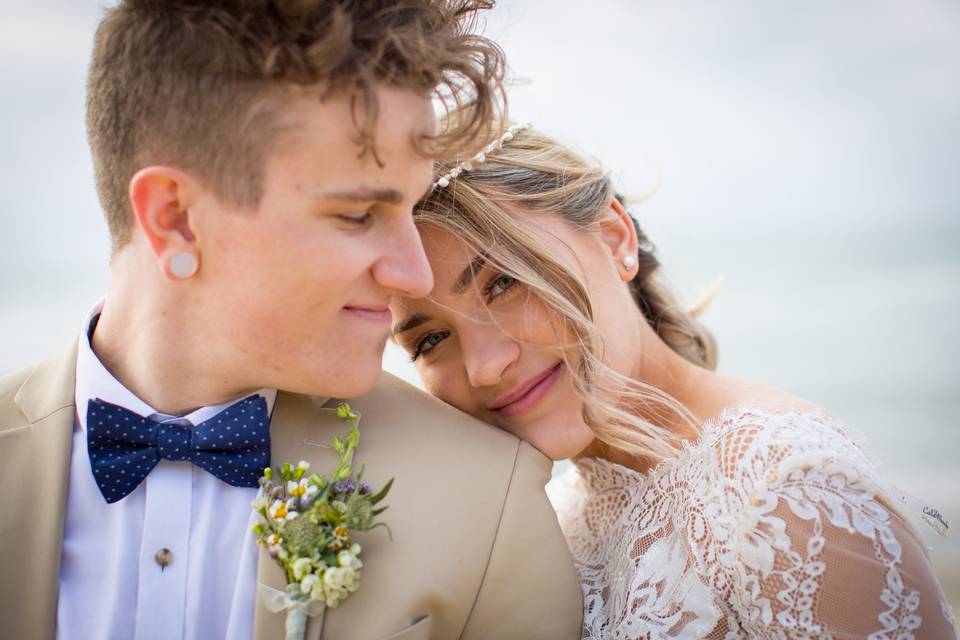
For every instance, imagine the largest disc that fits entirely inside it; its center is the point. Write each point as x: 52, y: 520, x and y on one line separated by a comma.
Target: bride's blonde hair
x: 534, y: 173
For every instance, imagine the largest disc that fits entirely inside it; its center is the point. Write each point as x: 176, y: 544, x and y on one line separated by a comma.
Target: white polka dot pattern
x: 124, y: 447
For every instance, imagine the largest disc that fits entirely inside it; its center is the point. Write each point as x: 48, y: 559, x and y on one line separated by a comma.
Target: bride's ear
x: 619, y: 234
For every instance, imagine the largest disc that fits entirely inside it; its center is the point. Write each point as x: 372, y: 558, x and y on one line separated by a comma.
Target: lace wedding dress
x: 771, y: 525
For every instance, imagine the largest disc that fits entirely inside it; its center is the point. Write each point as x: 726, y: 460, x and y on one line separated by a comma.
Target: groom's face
x: 298, y: 289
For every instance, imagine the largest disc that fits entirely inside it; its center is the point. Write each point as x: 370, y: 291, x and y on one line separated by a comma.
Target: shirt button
x: 163, y: 557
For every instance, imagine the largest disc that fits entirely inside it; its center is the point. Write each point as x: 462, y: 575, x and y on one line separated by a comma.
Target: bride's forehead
x: 446, y: 251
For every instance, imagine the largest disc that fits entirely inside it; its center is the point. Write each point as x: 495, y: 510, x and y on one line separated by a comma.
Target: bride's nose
x: 487, y: 353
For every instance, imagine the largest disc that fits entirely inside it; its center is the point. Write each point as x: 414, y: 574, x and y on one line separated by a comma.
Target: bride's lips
x: 381, y: 315
x: 527, y: 395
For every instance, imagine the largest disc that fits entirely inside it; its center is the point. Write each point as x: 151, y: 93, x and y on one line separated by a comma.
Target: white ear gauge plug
x: 183, y: 265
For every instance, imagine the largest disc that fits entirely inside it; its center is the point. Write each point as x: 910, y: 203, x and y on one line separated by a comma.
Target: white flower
x: 301, y: 567
x: 333, y: 577
x: 303, y: 490
x: 260, y: 503
x: 281, y: 510
x: 348, y: 560
x: 303, y: 464
x: 297, y: 489
x: 311, y: 584
x: 278, y: 510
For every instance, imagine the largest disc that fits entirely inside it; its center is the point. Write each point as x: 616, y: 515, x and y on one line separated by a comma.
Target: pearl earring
x: 629, y: 262
x: 183, y: 265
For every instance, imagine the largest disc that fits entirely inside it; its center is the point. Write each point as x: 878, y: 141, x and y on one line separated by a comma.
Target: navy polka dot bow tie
x: 124, y: 447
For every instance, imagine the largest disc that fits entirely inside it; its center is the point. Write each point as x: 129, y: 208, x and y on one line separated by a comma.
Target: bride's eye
x: 427, y: 343
x: 499, y: 285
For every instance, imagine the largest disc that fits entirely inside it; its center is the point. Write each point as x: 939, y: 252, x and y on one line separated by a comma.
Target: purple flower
x: 364, y: 488
x: 345, y: 486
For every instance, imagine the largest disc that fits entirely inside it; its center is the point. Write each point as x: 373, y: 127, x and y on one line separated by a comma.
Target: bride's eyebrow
x: 468, y: 275
x: 412, y: 322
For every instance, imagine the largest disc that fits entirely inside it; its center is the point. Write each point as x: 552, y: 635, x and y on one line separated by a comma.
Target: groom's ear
x: 617, y: 231
x: 161, y: 198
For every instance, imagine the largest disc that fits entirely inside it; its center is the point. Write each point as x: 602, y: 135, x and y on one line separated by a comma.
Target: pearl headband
x: 444, y: 180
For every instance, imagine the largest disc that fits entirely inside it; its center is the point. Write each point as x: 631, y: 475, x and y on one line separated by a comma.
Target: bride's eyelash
x: 494, y: 279
x: 418, y: 344
x: 488, y: 295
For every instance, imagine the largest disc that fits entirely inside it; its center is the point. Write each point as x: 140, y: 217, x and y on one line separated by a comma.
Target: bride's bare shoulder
x: 737, y: 393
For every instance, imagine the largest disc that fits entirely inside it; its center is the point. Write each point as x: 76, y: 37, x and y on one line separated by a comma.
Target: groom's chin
x: 355, y: 384
x: 343, y: 385
x: 344, y: 376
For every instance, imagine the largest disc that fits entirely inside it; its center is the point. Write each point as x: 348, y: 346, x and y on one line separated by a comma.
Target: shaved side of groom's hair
x: 201, y: 85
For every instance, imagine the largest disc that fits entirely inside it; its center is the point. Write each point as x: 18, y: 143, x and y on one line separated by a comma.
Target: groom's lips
x: 528, y: 394
x: 372, y: 313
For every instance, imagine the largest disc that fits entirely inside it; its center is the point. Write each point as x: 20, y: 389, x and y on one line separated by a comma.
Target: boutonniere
x: 306, y: 522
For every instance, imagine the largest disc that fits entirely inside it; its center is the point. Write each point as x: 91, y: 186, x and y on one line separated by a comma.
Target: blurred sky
x: 808, y: 150
x: 769, y: 113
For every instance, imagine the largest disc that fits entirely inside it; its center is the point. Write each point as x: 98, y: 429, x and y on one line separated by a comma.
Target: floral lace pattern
x: 772, y: 525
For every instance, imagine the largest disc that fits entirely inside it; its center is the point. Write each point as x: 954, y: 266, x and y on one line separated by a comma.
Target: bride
x: 702, y: 506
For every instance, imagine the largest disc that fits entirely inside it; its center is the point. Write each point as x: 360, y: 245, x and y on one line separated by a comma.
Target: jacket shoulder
x: 397, y: 405
x: 35, y: 392
x: 11, y: 416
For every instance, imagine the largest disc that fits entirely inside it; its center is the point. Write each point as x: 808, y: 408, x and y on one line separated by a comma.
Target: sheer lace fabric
x: 772, y: 525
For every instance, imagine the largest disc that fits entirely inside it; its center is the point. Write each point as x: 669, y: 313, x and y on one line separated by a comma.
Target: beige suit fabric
x: 476, y: 551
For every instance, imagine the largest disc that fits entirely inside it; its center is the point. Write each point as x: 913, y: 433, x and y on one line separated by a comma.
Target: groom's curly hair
x: 197, y: 83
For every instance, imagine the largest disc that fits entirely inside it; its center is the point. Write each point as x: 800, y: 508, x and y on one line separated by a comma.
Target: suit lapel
x: 300, y: 429
x: 33, y: 492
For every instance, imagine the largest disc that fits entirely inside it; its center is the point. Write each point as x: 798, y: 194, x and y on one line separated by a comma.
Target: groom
x: 258, y: 163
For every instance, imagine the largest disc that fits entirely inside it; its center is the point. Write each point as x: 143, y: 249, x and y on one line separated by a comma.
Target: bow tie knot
x: 124, y: 447
x: 173, y: 441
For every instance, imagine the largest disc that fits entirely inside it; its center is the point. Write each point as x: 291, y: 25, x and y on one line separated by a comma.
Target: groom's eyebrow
x: 468, y: 275
x: 364, y: 194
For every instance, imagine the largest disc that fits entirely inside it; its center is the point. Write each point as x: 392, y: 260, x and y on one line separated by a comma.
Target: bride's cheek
x: 442, y: 386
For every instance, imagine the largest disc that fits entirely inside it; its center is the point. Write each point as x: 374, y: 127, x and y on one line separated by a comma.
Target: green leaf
x: 353, y: 438
x: 386, y: 526
x: 380, y: 495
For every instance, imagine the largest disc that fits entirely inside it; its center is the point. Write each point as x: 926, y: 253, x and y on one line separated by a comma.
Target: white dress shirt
x: 111, y: 584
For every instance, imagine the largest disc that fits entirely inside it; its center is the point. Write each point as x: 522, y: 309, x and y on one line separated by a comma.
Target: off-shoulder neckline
x: 690, y: 447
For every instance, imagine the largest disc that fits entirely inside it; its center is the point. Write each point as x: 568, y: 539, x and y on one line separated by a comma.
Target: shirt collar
x: 94, y: 381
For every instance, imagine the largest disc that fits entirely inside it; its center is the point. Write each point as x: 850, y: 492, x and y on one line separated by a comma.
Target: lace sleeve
x: 821, y: 550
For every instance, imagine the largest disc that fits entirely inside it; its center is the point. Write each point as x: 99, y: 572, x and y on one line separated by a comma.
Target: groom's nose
x: 404, y: 267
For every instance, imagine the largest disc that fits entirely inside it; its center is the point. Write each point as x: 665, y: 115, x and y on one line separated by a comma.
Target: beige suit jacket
x: 476, y: 550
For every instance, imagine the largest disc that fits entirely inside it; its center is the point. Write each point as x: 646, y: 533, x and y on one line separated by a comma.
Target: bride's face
x: 485, y: 345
